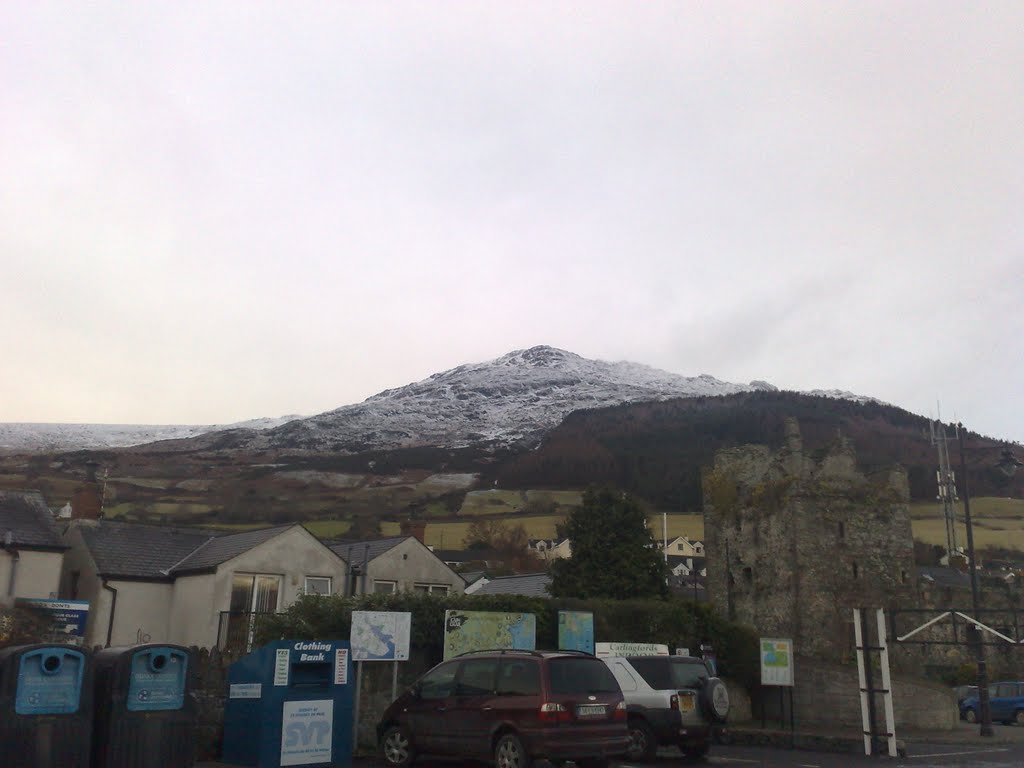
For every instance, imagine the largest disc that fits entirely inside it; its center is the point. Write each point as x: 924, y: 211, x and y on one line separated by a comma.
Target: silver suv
x: 670, y: 701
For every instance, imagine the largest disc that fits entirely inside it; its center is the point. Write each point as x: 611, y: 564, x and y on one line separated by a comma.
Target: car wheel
x: 509, y: 753
x: 643, y: 745
x: 971, y: 716
x: 396, y: 747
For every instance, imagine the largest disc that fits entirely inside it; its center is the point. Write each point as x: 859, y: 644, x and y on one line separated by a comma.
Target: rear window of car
x: 663, y: 674
x: 582, y: 675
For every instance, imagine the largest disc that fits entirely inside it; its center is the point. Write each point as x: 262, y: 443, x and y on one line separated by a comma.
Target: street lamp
x: 983, y: 705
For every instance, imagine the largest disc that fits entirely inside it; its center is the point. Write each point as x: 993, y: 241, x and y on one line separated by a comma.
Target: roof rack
x: 576, y: 651
x: 500, y: 651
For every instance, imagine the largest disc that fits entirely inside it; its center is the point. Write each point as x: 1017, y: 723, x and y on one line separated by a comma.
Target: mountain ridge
x: 510, y: 400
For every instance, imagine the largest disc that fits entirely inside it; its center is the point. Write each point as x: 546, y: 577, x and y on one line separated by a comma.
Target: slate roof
x: 224, y: 547
x: 26, y: 516
x: 528, y: 584
x: 139, y: 551
x: 377, y: 547
x: 943, y: 576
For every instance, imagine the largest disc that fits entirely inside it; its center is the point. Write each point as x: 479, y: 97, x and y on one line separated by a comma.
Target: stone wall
x: 829, y: 694
x: 795, y: 542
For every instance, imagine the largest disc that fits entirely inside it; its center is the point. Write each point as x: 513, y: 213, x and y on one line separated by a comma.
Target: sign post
x: 777, y: 670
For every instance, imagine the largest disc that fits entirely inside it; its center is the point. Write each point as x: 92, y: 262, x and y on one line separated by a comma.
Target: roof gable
x: 226, y: 547
x: 25, y: 515
x: 134, y: 550
x: 365, y: 549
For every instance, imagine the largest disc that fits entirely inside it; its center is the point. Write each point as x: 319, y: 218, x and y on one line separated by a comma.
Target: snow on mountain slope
x: 516, y: 397
x: 70, y: 437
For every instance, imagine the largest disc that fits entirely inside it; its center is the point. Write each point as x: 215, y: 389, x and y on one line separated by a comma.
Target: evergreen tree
x: 613, y: 553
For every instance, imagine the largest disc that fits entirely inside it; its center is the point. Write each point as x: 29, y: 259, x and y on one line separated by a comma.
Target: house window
x: 385, y: 586
x: 431, y: 589
x: 251, y: 594
x: 318, y: 585
x: 255, y: 593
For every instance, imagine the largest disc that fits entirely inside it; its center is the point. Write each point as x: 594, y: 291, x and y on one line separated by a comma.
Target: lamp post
x: 985, y: 714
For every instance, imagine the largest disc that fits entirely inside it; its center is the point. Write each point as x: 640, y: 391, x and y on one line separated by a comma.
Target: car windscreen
x: 580, y: 675
x: 663, y: 674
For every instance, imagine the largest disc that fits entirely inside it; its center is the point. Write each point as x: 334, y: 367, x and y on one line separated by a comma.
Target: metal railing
x: 237, y: 630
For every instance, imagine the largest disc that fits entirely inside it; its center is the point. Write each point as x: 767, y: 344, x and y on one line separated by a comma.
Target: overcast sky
x: 216, y: 211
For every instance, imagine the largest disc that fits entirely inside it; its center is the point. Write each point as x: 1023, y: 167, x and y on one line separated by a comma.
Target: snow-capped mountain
x: 517, y: 397
x: 514, y: 399
x: 28, y: 436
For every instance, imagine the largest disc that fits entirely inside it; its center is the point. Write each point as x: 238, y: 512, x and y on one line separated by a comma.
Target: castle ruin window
x: 748, y: 575
x: 842, y: 530
x: 856, y: 571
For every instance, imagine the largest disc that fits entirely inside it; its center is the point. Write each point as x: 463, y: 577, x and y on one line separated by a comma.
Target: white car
x: 670, y: 701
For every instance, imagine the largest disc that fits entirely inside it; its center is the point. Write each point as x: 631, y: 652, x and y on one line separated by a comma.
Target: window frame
x: 330, y: 585
x: 380, y: 582
x: 431, y: 588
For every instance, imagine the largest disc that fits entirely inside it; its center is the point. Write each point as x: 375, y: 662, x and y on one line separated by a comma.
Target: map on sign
x: 466, y: 631
x: 380, y: 635
x: 776, y: 661
x: 576, y: 631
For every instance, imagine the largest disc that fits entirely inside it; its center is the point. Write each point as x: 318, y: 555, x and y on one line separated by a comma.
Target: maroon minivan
x: 512, y: 707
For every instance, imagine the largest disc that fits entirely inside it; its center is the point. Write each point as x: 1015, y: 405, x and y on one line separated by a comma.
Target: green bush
x: 675, y: 622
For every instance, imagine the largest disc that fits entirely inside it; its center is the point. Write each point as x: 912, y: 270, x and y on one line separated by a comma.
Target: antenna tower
x: 947, y: 486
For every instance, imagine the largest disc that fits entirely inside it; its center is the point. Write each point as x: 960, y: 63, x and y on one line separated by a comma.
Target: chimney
x: 415, y: 528
x: 87, y: 500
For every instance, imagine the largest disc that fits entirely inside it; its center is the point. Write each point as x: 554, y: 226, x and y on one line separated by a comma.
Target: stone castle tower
x: 796, y: 541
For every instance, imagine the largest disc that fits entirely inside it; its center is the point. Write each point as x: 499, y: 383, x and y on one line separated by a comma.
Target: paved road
x: 919, y: 756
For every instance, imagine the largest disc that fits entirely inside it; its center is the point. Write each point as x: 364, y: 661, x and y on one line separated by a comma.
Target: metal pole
x: 983, y: 704
x: 865, y: 719
x: 869, y: 681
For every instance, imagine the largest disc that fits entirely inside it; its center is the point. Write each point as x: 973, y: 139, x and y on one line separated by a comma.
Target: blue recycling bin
x: 290, y: 703
x: 45, y: 706
x: 145, y: 714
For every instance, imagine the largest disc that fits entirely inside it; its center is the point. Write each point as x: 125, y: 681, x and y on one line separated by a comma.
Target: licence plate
x: 590, y: 710
x: 686, y: 702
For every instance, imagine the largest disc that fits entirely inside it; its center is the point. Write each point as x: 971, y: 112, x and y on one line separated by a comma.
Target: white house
x: 683, y: 547
x: 149, y: 583
x: 550, y: 549
x: 396, y: 564
x: 31, y: 550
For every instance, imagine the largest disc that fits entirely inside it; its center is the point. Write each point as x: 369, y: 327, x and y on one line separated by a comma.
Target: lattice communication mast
x: 947, y: 487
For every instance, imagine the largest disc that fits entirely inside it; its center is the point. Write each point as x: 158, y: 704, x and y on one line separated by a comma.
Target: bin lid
x: 49, y: 681
x: 157, y: 679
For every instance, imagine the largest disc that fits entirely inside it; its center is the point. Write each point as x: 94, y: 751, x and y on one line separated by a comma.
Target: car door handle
x: 486, y: 709
x: 442, y: 709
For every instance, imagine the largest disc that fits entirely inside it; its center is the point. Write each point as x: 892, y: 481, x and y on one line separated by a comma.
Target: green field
x: 501, y: 502
x: 452, y: 535
x: 983, y: 507
x: 177, y: 511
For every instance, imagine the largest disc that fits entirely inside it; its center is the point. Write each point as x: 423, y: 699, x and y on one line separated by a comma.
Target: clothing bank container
x: 46, y: 706
x: 290, y: 703
x: 145, y: 714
